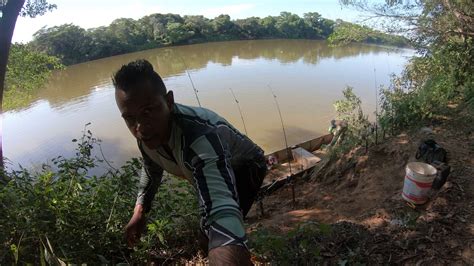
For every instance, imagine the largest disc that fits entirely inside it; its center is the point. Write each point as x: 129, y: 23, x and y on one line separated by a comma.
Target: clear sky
x: 94, y: 13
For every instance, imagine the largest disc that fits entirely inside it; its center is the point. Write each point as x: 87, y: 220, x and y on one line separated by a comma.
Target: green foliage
x: 33, y: 8
x: 319, y: 27
x: 173, y: 229
x: 290, y: 25
x: 74, y: 45
x: 442, y: 32
x: 178, y: 33
x: 63, y: 213
x: 345, y: 33
x: 27, y: 71
x: 68, y: 42
x: 250, y: 28
x: 300, y: 246
x: 428, y: 85
x: 424, y: 22
x: 349, y: 110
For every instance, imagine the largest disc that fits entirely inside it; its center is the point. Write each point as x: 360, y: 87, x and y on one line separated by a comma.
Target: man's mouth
x: 147, y: 138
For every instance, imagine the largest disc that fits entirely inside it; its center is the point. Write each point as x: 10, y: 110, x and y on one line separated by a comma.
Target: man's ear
x: 170, y: 100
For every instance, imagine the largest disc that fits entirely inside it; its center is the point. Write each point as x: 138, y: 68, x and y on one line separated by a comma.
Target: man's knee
x: 229, y: 255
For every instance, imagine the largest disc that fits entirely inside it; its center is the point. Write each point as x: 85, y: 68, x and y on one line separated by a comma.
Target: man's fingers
x: 130, y: 236
x: 131, y: 240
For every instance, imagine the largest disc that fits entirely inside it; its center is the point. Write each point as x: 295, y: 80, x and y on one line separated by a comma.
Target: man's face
x: 146, y: 113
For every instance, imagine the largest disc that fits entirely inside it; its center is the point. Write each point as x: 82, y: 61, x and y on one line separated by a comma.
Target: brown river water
x: 306, y: 76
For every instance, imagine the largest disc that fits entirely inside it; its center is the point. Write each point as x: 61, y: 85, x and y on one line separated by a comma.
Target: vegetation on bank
x: 442, y: 74
x: 62, y: 213
x: 27, y: 71
x: 73, y: 44
x: 345, y: 33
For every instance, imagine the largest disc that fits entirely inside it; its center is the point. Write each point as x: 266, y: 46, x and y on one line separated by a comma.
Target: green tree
x: 318, y: 26
x: 154, y: 27
x: 177, y: 33
x: 200, y: 25
x: 269, y: 26
x: 345, y: 33
x: 27, y: 70
x: 10, y: 9
x: 250, y: 28
x: 290, y: 25
x: 128, y: 31
x: 222, y: 25
x: 104, y: 43
x: 67, y: 42
x: 424, y: 21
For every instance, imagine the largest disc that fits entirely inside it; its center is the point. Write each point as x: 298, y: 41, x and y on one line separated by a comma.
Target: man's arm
x: 150, y: 180
x: 222, y: 221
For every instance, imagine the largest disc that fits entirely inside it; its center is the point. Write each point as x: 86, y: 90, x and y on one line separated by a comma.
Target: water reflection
x: 79, y: 80
x: 307, y: 77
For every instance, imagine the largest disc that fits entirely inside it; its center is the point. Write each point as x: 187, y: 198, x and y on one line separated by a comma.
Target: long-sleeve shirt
x: 203, y: 148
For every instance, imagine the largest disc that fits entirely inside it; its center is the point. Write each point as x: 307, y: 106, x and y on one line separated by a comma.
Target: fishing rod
x: 194, y: 88
x: 376, y: 107
x: 190, y: 79
x: 240, y: 111
x: 286, y: 142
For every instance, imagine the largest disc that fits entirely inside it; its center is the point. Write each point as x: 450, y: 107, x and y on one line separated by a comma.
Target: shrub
x: 63, y: 213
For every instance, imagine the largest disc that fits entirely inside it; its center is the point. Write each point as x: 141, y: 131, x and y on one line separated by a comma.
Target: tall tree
x: 290, y: 25
x: 68, y: 42
x: 250, y: 27
x: 178, y: 33
x: 10, y: 10
x: 425, y: 21
x: 222, y: 25
x: 200, y: 25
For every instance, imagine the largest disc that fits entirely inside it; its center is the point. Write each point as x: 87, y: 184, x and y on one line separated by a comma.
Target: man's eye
x: 129, y: 120
x: 147, y: 111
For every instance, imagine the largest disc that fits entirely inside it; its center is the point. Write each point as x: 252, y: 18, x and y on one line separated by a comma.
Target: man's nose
x: 142, y: 127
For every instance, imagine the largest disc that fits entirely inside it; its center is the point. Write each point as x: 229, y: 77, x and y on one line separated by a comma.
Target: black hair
x: 136, y: 73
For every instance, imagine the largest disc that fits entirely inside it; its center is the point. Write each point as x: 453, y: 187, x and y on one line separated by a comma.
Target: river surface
x: 306, y: 76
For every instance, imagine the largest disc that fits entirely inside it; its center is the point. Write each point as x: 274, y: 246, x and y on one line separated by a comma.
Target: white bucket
x: 418, y: 180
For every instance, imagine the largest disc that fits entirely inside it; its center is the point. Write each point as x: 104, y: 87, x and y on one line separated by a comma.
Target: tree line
x: 73, y: 44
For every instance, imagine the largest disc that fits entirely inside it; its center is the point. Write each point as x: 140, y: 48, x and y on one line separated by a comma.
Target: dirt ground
x: 360, y: 196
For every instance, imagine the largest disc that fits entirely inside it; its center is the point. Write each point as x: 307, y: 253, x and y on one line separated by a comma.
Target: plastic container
x: 418, y: 180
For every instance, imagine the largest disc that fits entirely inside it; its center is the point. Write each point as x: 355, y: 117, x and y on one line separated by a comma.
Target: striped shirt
x: 203, y: 148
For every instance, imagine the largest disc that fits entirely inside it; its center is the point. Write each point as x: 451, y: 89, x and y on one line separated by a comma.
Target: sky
x: 95, y: 13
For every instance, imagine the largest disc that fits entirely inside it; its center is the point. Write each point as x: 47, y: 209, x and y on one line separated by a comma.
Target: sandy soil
x: 360, y: 194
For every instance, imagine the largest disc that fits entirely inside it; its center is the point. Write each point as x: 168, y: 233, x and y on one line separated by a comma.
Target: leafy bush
x: 63, y: 213
x: 350, y: 111
x: 301, y: 246
x: 345, y: 33
x: 427, y: 85
x: 27, y: 71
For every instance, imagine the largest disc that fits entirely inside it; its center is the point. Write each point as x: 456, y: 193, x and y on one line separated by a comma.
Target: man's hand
x: 135, y: 227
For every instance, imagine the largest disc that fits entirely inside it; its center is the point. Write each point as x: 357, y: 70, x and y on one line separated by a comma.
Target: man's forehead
x: 135, y: 93
x: 136, y: 100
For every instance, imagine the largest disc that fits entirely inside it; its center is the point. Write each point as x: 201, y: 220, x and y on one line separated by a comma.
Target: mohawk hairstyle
x: 139, y: 72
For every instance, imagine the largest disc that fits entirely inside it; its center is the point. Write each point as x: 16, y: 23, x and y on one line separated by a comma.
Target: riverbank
x: 357, y: 198
x: 74, y: 44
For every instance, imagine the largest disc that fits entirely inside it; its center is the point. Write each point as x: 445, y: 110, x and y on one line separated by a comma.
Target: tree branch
x: 460, y: 32
x: 458, y: 14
